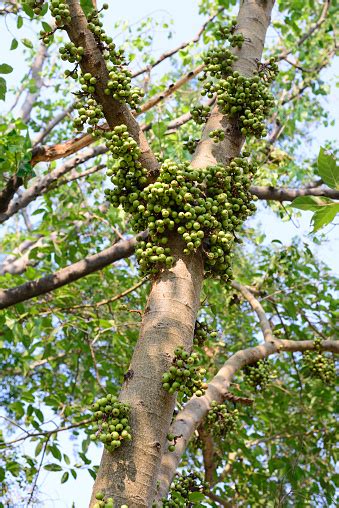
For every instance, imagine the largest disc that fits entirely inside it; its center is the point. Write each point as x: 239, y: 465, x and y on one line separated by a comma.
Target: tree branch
x: 43, y: 183
x: 308, y: 34
x: 50, y: 126
x: 36, y: 69
x: 173, y: 51
x: 256, y: 306
x: 196, y: 409
x: 284, y: 194
x: 31, y: 289
x: 116, y: 113
x: 208, y: 454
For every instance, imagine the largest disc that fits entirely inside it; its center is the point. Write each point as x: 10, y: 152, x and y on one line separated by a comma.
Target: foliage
x: 65, y: 349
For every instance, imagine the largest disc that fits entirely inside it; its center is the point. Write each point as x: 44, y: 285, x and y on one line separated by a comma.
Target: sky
x: 186, y: 23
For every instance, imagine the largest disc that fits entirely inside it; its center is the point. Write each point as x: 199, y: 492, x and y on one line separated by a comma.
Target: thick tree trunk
x: 129, y: 475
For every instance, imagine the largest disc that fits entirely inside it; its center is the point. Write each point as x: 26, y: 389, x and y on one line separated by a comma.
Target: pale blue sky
x: 186, y: 23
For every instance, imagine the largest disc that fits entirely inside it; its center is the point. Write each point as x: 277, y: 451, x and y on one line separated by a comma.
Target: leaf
x: 27, y: 43
x: 5, y: 69
x: 14, y: 44
x: 38, y: 448
x: 65, y: 477
x: 19, y: 22
x: 324, y: 216
x: 311, y: 203
x: 46, y: 26
x: 328, y: 169
x: 27, y: 10
x: 87, y: 6
x: 53, y: 467
x: 196, y: 496
x: 3, y: 89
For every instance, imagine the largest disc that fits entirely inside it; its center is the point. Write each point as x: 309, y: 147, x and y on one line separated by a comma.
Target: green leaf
x: 196, y: 497
x: 324, y: 216
x: 27, y: 10
x: 53, y: 467
x: 14, y: 44
x: 19, y: 22
x: 65, y: 477
x: 46, y: 26
x: 5, y: 69
x: 38, y: 448
x: 3, y: 89
x: 87, y: 6
x: 309, y: 203
x: 328, y: 169
x: 27, y: 43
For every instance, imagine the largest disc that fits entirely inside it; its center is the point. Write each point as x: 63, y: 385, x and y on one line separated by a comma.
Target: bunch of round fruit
x: 201, y: 333
x: 112, y: 422
x: 182, y: 487
x: 221, y: 419
x: 184, y: 375
x: 318, y: 365
x: 258, y: 374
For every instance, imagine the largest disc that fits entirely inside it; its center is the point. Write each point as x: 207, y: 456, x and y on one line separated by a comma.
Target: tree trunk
x: 130, y: 474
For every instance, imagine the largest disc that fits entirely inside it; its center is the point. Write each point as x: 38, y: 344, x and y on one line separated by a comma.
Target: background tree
x: 83, y: 323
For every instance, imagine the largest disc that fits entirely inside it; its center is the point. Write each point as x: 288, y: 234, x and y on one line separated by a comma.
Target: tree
x: 171, y: 331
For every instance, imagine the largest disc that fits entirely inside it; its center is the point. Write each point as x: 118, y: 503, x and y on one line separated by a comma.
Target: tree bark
x: 129, y: 475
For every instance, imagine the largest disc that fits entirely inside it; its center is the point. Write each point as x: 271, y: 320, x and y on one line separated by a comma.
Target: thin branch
x: 53, y: 123
x: 45, y: 433
x: 258, y: 309
x: 38, y: 471
x: 219, y: 499
x: 107, y: 301
x: 153, y: 101
x: 36, y: 69
x: 308, y: 34
x: 173, y: 51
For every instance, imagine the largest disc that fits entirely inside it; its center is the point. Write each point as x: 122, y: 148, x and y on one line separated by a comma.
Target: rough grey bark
x: 130, y: 474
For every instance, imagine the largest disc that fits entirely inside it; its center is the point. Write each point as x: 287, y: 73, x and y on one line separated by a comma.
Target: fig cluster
x: 190, y: 144
x: 318, y: 365
x: 258, y: 375
x: 89, y: 112
x: 69, y: 52
x: 173, y: 440
x: 221, y: 420
x: 112, y: 422
x: 226, y: 33
x: 185, y: 376
x: 181, y: 488
x: 217, y: 135
x: 200, y: 113
x: 246, y: 99
x: 205, y: 207
x: 60, y: 12
x: 201, y: 333
x: 119, y: 83
x: 35, y: 5
x: 103, y: 502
